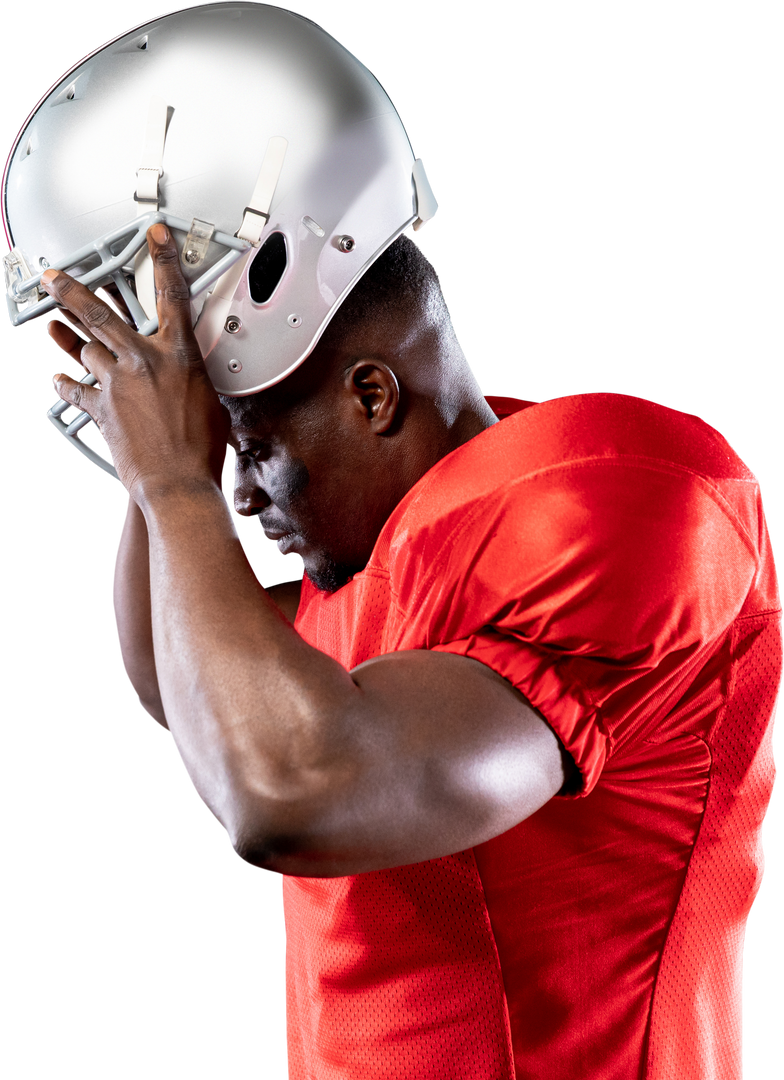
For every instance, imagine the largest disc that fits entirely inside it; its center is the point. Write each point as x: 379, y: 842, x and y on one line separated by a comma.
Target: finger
x: 173, y: 297
x: 97, y: 359
x: 96, y: 317
x: 116, y: 297
x: 77, y: 394
x: 90, y: 354
x: 118, y: 300
x: 72, y: 319
x: 68, y: 341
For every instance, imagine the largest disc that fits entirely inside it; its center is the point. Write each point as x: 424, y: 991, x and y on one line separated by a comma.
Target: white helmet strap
x: 256, y: 213
x: 218, y: 303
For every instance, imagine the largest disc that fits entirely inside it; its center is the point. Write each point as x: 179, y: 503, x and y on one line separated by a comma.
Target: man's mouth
x: 281, y: 532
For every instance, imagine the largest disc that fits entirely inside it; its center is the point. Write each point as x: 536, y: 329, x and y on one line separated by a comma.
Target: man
x: 626, y: 589
x: 421, y: 782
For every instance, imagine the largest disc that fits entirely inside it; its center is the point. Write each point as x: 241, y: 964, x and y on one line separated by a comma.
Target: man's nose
x: 249, y: 496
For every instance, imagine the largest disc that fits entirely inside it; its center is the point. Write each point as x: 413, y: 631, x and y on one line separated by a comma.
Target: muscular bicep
x: 438, y: 754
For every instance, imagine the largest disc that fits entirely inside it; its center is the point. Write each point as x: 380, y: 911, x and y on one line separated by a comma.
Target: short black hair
x: 400, y: 276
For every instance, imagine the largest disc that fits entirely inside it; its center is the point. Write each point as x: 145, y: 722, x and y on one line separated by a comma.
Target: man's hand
x: 154, y: 404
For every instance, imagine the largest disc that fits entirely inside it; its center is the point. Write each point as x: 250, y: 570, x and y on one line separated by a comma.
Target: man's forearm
x: 132, y: 610
x: 244, y: 695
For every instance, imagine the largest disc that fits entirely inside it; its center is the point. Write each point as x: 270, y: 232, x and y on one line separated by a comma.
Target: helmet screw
x: 294, y: 320
x: 346, y: 243
x: 191, y: 256
x: 42, y: 262
x: 233, y: 325
x: 235, y: 366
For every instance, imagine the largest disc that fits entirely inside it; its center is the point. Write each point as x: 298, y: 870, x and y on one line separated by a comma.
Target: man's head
x: 324, y: 456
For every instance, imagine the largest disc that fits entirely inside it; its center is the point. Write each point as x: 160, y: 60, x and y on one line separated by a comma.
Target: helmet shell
x: 235, y: 75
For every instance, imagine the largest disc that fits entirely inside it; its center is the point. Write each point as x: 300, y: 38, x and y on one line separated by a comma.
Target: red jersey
x: 609, y: 558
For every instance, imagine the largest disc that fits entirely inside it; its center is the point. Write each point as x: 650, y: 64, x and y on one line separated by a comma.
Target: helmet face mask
x: 255, y: 136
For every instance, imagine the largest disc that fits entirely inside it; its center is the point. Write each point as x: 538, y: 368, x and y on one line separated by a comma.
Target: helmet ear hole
x: 267, y: 268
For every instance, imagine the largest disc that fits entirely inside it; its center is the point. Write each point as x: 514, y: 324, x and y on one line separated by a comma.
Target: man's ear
x: 375, y: 392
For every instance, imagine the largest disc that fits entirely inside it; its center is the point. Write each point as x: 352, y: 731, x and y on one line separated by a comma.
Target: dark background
x: 604, y: 215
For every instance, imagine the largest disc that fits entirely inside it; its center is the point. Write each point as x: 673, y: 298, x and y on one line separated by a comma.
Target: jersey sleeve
x: 592, y: 586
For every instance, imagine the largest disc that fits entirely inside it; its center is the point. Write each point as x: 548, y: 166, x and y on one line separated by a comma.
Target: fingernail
x: 48, y: 277
x: 159, y: 233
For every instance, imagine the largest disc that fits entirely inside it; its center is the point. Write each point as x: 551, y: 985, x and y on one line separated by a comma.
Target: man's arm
x: 131, y: 575
x: 313, y: 770
x: 133, y: 614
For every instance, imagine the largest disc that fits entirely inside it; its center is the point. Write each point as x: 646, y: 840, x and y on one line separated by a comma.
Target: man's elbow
x: 289, y: 840
x: 265, y: 850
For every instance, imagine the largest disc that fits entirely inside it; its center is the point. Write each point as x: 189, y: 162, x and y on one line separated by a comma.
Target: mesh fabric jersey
x: 608, y: 557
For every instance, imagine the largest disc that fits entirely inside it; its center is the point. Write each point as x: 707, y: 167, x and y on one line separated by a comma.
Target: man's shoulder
x: 580, y: 426
x: 582, y: 523
x: 581, y: 485
x: 557, y: 442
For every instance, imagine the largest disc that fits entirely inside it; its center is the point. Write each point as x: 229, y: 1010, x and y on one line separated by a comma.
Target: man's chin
x: 326, y: 575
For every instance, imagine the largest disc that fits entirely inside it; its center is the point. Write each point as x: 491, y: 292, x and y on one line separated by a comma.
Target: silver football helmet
x: 275, y: 158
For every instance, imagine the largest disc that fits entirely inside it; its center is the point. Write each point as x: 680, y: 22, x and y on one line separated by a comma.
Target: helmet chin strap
x: 218, y: 303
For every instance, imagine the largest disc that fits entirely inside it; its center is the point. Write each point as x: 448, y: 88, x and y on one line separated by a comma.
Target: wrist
x: 155, y: 493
